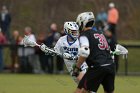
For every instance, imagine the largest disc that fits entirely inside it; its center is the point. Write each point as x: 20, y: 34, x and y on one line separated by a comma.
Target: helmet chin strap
x: 70, y: 37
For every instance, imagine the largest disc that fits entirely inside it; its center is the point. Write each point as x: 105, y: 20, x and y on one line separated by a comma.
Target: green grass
x: 21, y: 83
x: 129, y: 42
x: 133, y: 61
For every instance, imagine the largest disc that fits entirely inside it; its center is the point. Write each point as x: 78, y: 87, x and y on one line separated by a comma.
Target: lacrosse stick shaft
x: 37, y: 45
x: 50, y: 50
x: 45, y: 49
x: 29, y: 42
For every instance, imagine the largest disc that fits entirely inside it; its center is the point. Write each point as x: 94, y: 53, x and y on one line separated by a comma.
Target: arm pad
x: 84, y: 51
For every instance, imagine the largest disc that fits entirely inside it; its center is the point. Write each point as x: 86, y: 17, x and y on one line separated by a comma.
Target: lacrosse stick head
x: 28, y: 42
x: 121, y: 49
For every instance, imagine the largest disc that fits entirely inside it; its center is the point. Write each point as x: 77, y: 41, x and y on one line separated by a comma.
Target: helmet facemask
x: 73, y: 34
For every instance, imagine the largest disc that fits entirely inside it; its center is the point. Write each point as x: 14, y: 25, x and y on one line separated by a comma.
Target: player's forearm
x: 83, y: 54
x: 80, y: 61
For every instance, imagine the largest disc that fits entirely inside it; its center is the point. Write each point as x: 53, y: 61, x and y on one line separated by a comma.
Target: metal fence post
x: 126, y: 64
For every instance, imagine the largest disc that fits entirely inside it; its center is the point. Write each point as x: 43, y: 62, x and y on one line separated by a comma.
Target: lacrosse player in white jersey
x: 68, y: 45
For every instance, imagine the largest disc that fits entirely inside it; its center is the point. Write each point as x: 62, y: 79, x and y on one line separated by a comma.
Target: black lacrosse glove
x: 76, y: 70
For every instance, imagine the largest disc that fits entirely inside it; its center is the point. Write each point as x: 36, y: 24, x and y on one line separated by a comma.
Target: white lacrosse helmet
x: 84, y: 18
x: 72, y: 30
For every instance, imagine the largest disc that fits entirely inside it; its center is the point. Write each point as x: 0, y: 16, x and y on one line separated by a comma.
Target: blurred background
x: 40, y: 14
x: 43, y: 21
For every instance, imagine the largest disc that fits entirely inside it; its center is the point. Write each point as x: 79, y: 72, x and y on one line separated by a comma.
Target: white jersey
x: 63, y: 46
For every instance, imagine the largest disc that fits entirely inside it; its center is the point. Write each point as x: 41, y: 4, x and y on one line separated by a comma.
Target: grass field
x: 23, y: 83
x: 133, y: 61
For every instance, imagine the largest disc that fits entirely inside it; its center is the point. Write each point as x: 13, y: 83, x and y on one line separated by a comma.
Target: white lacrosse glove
x: 69, y: 56
x: 43, y: 47
x: 66, y: 55
x: 117, y: 52
x: 47, y: 50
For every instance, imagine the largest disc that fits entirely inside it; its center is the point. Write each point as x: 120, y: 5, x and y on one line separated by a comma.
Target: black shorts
x: 104, y: 75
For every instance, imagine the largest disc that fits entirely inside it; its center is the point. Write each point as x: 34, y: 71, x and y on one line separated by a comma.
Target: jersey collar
x: 70, y: 43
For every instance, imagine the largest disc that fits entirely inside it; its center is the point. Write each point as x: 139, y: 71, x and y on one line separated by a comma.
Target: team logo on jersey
x: 73, y: 51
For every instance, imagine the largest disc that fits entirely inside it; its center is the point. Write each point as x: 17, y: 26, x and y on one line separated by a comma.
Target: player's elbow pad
x: 84, y: 51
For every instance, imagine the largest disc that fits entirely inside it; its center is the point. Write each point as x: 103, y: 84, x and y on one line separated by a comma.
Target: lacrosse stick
x: 120, y: 50
x: 28, y: 42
